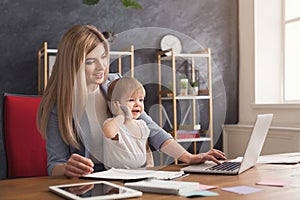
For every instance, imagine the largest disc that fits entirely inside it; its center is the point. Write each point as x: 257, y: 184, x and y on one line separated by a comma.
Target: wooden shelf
x: 188, y: 97
x: 200, y: 139
x: 169, y: 95
x: 185, y: 55
x: 119, y: 53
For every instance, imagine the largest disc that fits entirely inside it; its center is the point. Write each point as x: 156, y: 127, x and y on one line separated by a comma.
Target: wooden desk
x: 37, y: 188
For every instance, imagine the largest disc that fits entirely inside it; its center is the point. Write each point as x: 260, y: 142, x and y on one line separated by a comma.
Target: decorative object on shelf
x: 184, y: 86
x: 194, y: 88
x: 189, y: 127
x: 170, y: 89
x: 170, y: 42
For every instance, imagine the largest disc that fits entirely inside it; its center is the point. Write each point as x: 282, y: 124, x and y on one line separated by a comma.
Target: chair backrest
x: 25, y: 147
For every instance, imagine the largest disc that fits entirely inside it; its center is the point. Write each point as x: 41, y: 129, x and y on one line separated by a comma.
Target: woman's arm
x: 157, y: 135
x: 160, y: 139
x: 172, y: 148
x: 149, y: 162
x: 63, y: 159
x: 57, y: 150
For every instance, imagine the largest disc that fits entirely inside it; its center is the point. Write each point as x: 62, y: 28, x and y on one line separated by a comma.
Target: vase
x: 184, y: 86
x: 194, y: 91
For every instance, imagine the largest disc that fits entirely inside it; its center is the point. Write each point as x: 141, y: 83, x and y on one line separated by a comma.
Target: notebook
x: 253, y: 150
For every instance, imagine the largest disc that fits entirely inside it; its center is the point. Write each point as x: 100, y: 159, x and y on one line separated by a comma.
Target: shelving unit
x: 46, y: 59
x: 171, y: 95
x: 119, y: 54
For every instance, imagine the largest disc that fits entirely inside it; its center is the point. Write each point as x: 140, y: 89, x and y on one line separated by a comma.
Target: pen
x: 178, y: 176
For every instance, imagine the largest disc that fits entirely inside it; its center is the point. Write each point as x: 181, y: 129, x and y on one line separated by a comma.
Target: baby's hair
x: 124, y: 87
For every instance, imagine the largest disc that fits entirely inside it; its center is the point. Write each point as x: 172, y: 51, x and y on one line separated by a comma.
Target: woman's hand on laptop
x: 212, y: 155
x: 172, y: 148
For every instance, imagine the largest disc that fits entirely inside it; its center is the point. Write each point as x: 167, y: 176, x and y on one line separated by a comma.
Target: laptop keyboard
x: 225, y: 166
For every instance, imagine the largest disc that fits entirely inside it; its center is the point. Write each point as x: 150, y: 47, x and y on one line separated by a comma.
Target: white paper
x: 288, y: 158
x: 130, y: 174
x: 279, y: 160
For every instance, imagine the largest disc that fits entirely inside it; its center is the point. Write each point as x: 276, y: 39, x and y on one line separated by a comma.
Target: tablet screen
x: 94, y: 190
x: 91, y: 190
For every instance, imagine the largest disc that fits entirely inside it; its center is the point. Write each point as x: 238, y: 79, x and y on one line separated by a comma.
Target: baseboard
x: 279, y: 140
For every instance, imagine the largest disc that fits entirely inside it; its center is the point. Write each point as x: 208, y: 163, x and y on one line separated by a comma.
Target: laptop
x: 253, y: 150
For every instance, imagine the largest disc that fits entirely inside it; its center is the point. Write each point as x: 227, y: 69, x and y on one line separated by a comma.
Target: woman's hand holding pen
x: 78, y: 166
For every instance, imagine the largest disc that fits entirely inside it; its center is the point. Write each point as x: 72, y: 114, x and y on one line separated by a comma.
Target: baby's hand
x: 115, y: 108
x: 127, y: 111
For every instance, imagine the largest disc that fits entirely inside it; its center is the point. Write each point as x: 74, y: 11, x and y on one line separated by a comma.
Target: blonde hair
x: 124, y: 87
x: 69, y: 66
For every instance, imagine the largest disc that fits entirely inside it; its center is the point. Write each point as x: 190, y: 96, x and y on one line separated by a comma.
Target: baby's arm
x: 111, y: 126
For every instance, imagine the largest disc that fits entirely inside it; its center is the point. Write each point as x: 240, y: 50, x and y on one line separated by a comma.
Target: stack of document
x: 131, y: 175
x: 153, y: 181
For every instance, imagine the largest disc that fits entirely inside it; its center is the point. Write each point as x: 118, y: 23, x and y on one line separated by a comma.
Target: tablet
x: 94, y: 191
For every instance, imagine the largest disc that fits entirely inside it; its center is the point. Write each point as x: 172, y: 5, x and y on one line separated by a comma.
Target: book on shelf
x: 195, y: 127
x: 184, y: 134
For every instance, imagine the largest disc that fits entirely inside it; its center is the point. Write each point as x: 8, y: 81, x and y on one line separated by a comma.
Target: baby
x: 125, y: 141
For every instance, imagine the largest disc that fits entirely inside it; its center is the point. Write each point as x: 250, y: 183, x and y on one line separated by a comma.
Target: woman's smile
x: 99, y: 75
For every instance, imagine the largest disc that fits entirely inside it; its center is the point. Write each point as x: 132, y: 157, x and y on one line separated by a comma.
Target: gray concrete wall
x: 25, y: 25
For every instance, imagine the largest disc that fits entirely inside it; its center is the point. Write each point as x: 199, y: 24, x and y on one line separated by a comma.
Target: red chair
x: 25, y: 147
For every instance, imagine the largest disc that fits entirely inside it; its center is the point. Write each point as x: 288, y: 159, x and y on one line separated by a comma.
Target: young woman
x: 74, y: 104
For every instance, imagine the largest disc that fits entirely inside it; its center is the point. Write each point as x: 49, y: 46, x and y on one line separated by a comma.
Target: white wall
x: 286, y: 117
